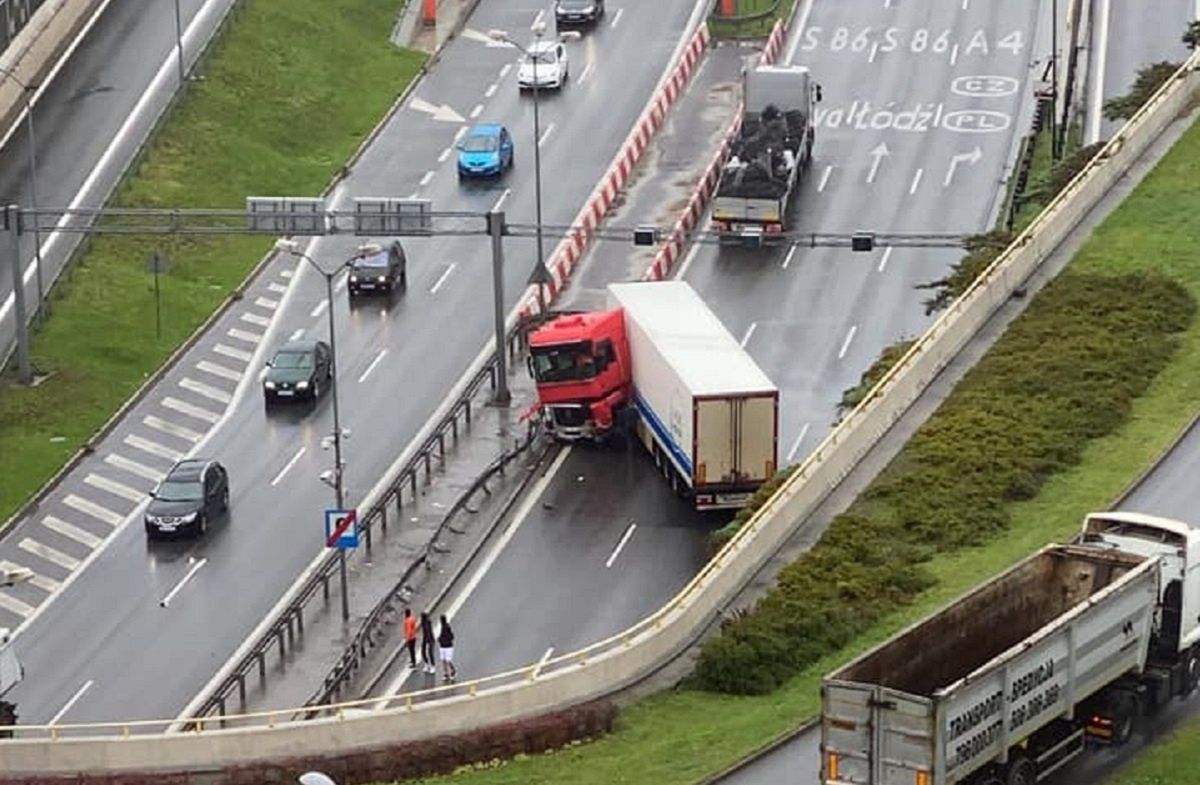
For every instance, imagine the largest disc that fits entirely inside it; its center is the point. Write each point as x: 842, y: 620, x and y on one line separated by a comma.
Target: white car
x: 546, y: 63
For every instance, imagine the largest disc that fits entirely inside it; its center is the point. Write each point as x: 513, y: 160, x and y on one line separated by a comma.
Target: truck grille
x: 569, y: 416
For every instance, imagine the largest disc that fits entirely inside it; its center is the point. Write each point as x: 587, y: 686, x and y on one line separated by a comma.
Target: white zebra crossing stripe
x: 266, y: 302
x: 133, y: 467
x: 48, y: 585
x: 159, y: 424
x: 244, y: 335
x: 153, y: 448
x: 278, y: 288
x: 286, y: 273
x: 207, y: 390
x: 183, y: 407
x: 70, y: 530
x: 10, y: 603
x: 216, y: 369
x: 254, y: 318
x: 52, y: 555
x: 237, y: 354
x: 97, y: 511
x: 114, y: 487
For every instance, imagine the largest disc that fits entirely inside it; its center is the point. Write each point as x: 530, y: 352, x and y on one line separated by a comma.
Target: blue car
x: 486, y: 151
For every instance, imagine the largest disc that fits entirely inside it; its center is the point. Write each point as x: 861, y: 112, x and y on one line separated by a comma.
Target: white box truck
x: 1010, y: 682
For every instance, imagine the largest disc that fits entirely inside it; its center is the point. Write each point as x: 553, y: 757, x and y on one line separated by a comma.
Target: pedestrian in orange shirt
x: 410, y: 637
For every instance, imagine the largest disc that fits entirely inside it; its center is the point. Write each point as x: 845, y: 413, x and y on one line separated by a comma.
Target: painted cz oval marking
x: 985, y: 86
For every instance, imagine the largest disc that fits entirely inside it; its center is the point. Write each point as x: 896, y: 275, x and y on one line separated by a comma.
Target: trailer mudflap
x: 873, y: 735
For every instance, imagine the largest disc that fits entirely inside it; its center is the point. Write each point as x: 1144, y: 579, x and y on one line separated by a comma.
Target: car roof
x: 299, y: 345
x: 486, y: 129
x: 188, y: 470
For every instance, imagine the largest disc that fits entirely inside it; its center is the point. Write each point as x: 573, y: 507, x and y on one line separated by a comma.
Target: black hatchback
x: 300, y: 369
x: 194, y: 493
x: 375, y: 269
x: 578, y: 12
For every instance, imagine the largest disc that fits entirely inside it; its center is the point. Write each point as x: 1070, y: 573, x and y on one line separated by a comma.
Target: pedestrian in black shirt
x: 446, y: 644
x: 428, y: 654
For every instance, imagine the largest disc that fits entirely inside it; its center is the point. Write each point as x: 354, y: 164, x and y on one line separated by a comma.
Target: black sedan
x: 194, y: 493
x: 299, y: 370
x: 375, y: 268
x: 578, y: 12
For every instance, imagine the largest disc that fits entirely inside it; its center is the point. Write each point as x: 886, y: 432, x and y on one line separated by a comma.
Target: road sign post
x: 341, y: 532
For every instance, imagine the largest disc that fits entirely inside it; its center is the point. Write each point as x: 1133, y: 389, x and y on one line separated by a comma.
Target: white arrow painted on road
x: 483, y: 38
x: 879, y: 153
x: 970, y: 158
x: 443, y: 113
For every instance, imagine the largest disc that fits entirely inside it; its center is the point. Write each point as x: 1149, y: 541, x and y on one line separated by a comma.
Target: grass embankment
x: 288, y: 93
x: 751, y: 18
x: 677, y: 737
x: 1173, y: 760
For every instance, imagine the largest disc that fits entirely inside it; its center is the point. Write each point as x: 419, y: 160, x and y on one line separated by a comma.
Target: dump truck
x: 1009, y: 683
x: 660, y: 362
x: 772, y: 147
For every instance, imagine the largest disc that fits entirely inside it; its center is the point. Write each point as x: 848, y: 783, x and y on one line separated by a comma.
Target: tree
x: 1149, y: 79
x: 1191, y: 36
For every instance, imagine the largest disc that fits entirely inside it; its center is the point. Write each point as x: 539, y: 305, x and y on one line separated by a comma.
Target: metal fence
x: 14, y: 15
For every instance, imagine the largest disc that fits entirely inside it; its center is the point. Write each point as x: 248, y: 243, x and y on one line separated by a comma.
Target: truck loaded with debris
x: 772, y: 147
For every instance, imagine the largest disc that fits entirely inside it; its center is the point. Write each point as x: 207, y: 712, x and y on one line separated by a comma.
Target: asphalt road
x: 814, y: 319
x: 89, y: 121
x: 107, y: 648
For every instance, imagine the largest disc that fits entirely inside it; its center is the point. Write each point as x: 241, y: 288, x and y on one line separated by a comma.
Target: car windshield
x: 180, y: 491
x: 479, y: 144
x: 563, y: 363
x: 298, y: 360
x: 543, y: 58
x: 575, y: 4
x: 374, y: 260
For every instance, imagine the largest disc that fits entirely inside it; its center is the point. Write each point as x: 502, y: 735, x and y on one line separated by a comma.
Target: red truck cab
x: 581, y: 365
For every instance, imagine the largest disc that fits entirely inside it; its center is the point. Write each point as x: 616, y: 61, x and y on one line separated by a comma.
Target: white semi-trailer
x: 1007, y: 684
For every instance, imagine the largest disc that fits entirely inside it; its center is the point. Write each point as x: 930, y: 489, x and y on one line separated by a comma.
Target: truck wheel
x: 1191, y: 672
x: 988, y: 776
x: 1125, y: 712
x: 1021, y: 771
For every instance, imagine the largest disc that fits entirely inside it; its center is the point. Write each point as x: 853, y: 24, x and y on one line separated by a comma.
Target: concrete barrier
x: 627, y: 657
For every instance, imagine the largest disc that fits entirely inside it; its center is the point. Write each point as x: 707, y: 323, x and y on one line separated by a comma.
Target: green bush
x: 891, y: 355
x: 1149, y: 79
x: 982, y: 250
x: 1066, y: 372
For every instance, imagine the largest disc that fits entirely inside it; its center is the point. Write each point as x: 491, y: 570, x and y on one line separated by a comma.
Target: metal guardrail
x: 14, y: 15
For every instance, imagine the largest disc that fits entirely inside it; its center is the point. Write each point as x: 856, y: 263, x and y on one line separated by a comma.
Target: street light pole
x: 179, y: 44
x: 1054, y: 148
x: 33, y: 193
x: 537, y: 172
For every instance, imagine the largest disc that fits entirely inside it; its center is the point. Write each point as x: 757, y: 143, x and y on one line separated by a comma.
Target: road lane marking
x: 620, y: 546
x: 183, y: 407
x: 825, y: 178
x: 799, y: 30
x: 537, y: 669
x: 133, y: 467
x: 371, y: 367
x: 97, y: 511
x: 153, y: 448
x: 954, y: 54
x: 87, y: 685
x: 441, y: 280
x: 171, y: 429
x: 236, y: 354
x: 503, y: 73
x: 537, y: 20
x: 320, y: 309
x: 445, y: 154
x: 266, y: 302
x: 912, y: 189
x: 426, y: 178
x: 48, y: 585
x: 207, y: 390
x: 887, y: 253
x: 587, y: 70
x: 12, y: 604
x: 114, y: 487
x: 85, y: 538
x: 297, y: 335
x: 846, y: 343
x: 791, y: 252
x: 616, y: 18
x: 277, y: 288
x: 253, y: 318
x: 288, y: 467
x: 796, y: 444
x: 749, y: 332
x: 1096, y: 105
x: 216, y: 369
x: 500, y: 201
x: 287, y: 272
x: 488, y: 93
x: 874, y: 51
x: 478, y: 110
x: 52, y: 555
x: 244, y: 335
x: 546, y: 134
x: 166, y: 601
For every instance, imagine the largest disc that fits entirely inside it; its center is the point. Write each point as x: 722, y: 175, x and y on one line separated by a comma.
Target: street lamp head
x: 316, y: 778
x: 539, y: 29
x: 287, y: 246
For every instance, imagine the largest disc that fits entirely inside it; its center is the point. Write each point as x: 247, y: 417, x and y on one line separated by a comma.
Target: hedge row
x: 891, y: 355
x: 1066, y: 372
x: 718, y: 538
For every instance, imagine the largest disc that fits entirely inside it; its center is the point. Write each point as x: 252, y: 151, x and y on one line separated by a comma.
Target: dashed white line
x: 441, y: 280
x: 229, y: 351
x: 286, y: 273
x: 216, y: 369
x: 504, y: 70
x: 297, y: 335
x: 183, y: 407
x: 912, y: 189
x: 445, y: 154
x: 97, y: 511
x: 500, y: 201
x: 48, y: 585
x: 462, y: 129
x: 874, y: 51
x: 371, y: 367
x: 616, y: 18
x: 207, y: 390
x: 887, y: 254
x: 488, y: 93
x: 825, y: 177
x: 587, y: 70
x: 478, y: 110
x: 114, y: 487
x: 12, y: 604
x: 244, y: 335
x: 537, y: 20
x: 546, y: 134
x: 153, y: 448
x: 620, y: 546
x: 846, y: 343
x: 253, y: 318
x: 749, y: 332
x: 52, y: 555
x: 426, y: 178
x: 69, y: 530
x: 288, y: 467
x: 796, y: 444
x: 791, y: 253
x: 183, y: 582
x: 74, y: 699
x: 133, y: 467
x: 171, y: 429
x: 954, y: 55
x: 320, y: 309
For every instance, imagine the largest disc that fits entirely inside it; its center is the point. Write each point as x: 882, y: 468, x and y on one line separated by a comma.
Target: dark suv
x: 298, y: 370
x: 195, y: 492
x: 375, y: 268
x: 578, y: 12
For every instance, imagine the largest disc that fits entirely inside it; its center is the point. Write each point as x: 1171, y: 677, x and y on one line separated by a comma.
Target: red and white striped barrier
x: 675, y: 244
x: 568, y: 252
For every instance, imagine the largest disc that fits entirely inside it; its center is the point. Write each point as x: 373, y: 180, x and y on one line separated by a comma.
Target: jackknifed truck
x: 766, y: 156
x: 1008, y: 683
x: 661, y: 362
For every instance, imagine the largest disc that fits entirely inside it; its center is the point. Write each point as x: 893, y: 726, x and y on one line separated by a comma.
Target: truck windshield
x: 569, y: 363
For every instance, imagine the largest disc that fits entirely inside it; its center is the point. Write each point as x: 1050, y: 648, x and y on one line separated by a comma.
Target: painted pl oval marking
x: 984, y: 86
x: 976, y: 121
